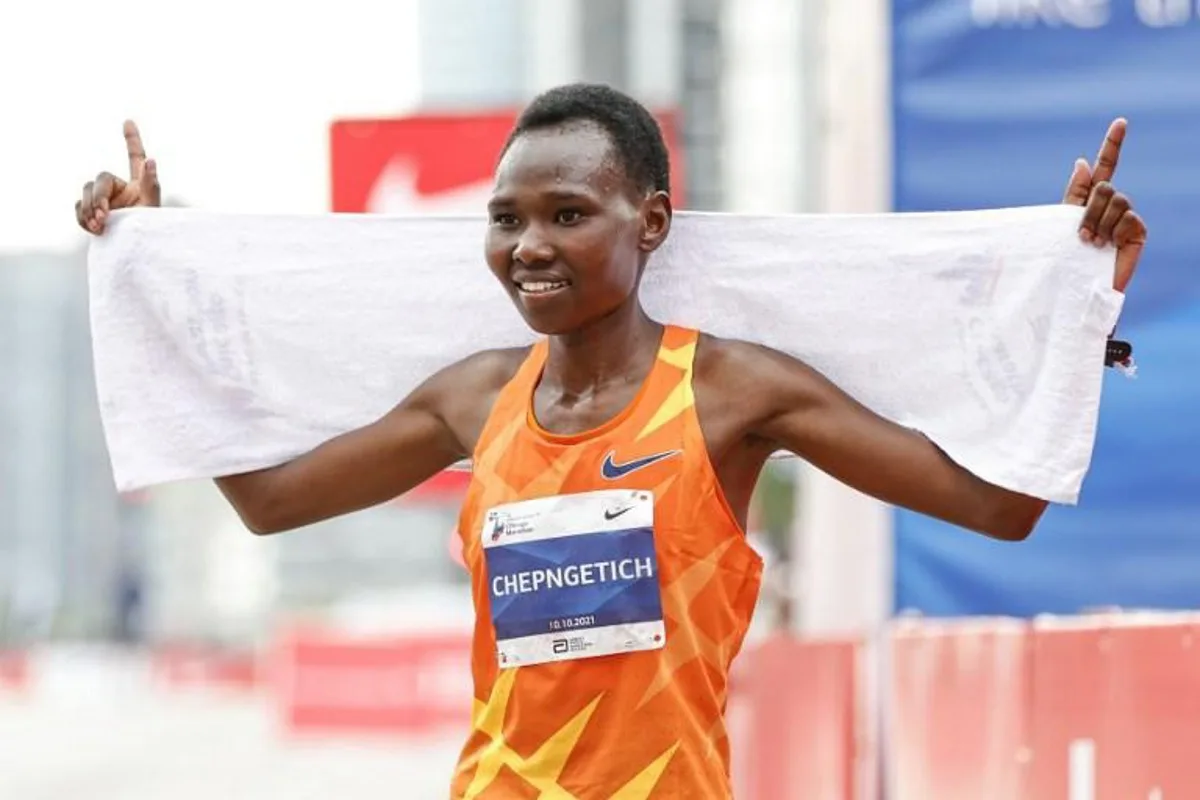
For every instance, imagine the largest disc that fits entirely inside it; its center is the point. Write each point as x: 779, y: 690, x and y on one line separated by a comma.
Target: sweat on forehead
x: 578, y: 151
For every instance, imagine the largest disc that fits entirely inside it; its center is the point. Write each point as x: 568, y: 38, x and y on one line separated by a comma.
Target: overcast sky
x: 233, y: 99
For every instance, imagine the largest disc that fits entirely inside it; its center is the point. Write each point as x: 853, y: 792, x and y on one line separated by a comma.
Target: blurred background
x: 151, y: 647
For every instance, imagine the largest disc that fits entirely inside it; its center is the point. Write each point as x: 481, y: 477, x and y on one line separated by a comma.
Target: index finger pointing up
x: 1110, y: 152
x: 136, y: 150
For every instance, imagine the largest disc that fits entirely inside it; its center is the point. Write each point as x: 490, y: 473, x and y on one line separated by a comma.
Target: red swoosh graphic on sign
x: 448, y: 151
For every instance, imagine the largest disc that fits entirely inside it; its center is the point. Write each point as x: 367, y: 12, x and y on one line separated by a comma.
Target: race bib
x: 573, y: 576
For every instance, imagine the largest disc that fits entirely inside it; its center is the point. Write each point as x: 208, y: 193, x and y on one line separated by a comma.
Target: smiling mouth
x: 540, y: 287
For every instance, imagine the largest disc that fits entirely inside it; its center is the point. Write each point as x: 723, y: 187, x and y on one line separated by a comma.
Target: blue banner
x: 993, y: 100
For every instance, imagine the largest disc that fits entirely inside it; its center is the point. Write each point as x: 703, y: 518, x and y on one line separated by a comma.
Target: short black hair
x: 632, y: 128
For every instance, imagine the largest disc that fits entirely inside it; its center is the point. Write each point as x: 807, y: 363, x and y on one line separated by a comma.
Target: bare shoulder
x: 462, y: 394
x: 751, y: 381
x: 738, y: 364
x: 474, y: 379
x: 727, y: 358
x: 488, y: 369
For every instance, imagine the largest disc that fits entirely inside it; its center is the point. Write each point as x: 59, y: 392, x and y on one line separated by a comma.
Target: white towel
x: 229, y: 342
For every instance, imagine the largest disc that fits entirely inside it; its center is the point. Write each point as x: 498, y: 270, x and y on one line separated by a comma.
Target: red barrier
x: 1081, y: 709
x: 802, y: 731
x: 1085, y: 709
x: 957, y: 713
x: 415, y: 685
x: 1116, y: 711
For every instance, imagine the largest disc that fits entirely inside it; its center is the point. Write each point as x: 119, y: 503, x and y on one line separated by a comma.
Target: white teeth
x: 533, y: 287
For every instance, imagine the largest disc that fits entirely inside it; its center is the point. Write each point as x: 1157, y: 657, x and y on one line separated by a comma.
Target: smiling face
x: 568, y: 233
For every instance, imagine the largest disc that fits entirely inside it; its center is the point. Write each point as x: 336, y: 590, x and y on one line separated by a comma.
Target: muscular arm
x: 430, y: 430
x: 793, y: 407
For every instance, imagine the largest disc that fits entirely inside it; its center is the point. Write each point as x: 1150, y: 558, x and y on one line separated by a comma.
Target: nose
x: 532, y: 246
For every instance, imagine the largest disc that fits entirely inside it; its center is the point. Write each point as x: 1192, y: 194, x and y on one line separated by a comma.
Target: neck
x: 613, y: 349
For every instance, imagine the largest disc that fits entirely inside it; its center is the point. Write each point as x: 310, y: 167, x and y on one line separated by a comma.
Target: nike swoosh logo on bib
x: 611, y: 515
x: 612, y: 470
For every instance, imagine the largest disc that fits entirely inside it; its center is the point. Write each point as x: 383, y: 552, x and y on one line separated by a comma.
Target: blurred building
x: 63, y: 532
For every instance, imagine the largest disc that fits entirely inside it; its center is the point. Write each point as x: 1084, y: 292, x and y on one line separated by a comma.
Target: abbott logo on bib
x: 573, y: 576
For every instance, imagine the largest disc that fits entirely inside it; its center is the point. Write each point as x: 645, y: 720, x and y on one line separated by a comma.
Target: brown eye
x: 504, y: 220
x: 569, y: 216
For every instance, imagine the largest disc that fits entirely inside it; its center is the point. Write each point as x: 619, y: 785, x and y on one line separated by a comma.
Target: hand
x: 108, y: 192
x: 1108, y: 216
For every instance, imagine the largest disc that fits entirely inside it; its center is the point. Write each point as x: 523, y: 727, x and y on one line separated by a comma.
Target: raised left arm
x: 809, y: 416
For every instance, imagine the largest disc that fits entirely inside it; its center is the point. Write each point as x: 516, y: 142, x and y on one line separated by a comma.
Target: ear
x: 656, y: 221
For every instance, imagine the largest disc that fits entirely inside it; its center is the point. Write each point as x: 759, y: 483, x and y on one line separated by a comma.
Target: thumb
x: 148, y: 186
x: 1080, y: 185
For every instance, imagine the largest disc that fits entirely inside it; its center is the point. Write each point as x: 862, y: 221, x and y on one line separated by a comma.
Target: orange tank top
x: 612, y: 588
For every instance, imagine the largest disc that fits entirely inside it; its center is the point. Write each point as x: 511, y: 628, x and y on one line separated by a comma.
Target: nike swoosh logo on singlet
x: 610, y: 470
